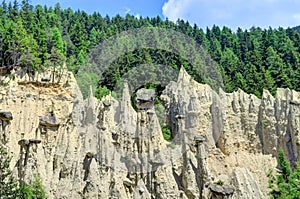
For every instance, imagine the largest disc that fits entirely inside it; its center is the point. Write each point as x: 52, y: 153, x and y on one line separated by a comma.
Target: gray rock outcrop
x: 49, y: 120
x: 6, y: 116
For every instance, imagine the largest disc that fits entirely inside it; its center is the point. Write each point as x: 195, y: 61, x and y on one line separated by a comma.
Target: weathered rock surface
x: 245, y: 184
x: 49, y: 120
x: 221, y: 191
x: 106, y: 149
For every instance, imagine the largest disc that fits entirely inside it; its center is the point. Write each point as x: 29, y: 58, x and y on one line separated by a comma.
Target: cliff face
x: 106, y: 149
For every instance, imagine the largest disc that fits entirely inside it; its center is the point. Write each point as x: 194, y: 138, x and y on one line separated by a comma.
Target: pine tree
x: 56, y: 61
x: 285, y: 170
x: 94, y: 38
x: 230, y: 63
x: 57, y: 41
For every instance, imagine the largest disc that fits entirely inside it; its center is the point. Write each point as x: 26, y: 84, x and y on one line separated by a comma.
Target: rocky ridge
x: 223, y: 144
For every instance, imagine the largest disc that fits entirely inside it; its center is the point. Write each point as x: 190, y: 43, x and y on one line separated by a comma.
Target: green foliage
x: 85, y: 80
x: 25, y: 191
x: 219, y: 182
x: 252, y: 60
x: 34, y: 190
x: 271, y: 179
x: 37, y: 187
x: 265, y: 123
x: 102, y: 92
x: 285, y: 169
x: 287, y: 183
x: 8, y: 184
x: 57, y: 41
x: 55, y: 61
x: 159, y: 110
x: 166, y: 132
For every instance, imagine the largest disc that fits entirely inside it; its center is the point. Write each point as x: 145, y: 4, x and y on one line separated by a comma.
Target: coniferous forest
x: 253, y: 59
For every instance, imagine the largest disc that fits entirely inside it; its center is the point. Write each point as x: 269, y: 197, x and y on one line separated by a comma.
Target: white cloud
x: 297, y: 16
x: 127, y: 10
x: 174, y: 9
x: 235, y: 13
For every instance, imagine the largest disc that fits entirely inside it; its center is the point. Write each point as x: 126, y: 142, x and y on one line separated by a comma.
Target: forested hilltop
x: 32, y: 36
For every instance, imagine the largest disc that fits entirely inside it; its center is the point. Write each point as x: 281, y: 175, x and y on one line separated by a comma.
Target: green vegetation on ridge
x: 251, y: 59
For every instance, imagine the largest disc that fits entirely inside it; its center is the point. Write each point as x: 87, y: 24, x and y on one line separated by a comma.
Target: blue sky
x: 111, y: 7
x: 231, y: 13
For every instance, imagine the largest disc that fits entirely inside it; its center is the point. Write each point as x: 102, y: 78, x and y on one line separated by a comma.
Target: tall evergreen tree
x: 57, y: 41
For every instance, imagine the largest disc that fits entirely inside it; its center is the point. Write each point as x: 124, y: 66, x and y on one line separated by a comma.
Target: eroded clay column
x: 204, y: 174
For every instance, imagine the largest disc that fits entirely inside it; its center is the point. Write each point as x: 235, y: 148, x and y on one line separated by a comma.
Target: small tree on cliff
x: 56, y: 61
x: 8, y: 184
x: 57, y: 57
x: 287, y: 182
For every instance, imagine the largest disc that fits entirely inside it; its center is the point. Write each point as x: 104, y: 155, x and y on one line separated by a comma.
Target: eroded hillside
x: 224, y: 144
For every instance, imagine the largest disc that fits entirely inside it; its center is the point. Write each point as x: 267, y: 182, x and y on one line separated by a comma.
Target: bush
x: 102, y: 92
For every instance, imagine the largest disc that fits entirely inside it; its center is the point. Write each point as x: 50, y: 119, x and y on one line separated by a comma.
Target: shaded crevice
x: 86, y: 166
x: 178, y: 179
x: 259, y: 131
x: 290, y: 142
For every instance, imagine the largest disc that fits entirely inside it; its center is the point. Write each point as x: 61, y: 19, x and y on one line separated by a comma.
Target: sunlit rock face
x: 223, y: 144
